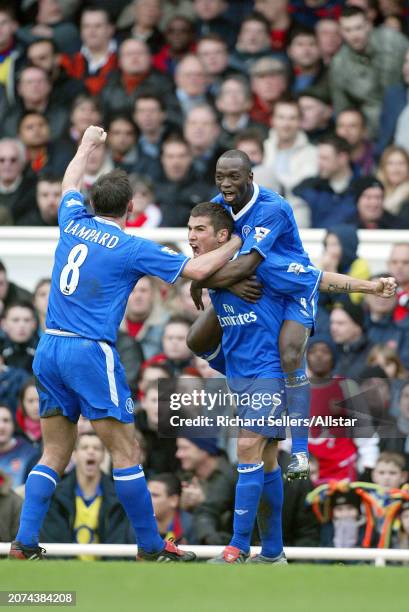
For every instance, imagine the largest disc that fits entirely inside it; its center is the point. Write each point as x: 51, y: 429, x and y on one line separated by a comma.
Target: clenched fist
x: 385, y: 287
x: 94, y: 135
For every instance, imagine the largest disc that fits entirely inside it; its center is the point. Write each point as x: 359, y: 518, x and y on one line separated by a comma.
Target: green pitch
x: 123, y: 586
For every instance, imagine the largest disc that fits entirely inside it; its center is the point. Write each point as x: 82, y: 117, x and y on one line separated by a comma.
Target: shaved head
x: 237, y: 155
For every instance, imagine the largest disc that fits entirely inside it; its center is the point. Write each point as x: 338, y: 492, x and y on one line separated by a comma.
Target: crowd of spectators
x: 316, y: 93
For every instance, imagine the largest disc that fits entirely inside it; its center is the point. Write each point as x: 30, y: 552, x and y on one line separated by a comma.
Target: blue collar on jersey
x: 246, y: 208
x: 101, y: 220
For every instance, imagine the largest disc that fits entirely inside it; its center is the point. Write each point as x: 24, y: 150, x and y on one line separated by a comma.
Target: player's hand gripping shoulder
x: 385, y: 287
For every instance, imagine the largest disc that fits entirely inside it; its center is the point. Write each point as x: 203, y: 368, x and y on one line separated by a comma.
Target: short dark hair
x: 217, y: 214
x: 301, y: 31
x: 355, y: 110
x: 3, y: 267
x: 256, y: 16
x: 111, y: 194
x: 213, y: 37
x: 352, y: 11
x: 96, y: 9
x: 239, y: 78
x: 8, y: 8
x: 48, y: 177
x: 288, y: 99
x: 49, y: 41
x: 148, y: 94
x: 174, y: 138
x: 27, y: 113
x: 237, y: 154
x: 179, y: 319
x: 21, y: 304
x: 171, y: 482
x: 337, y: 142
x: 253, y: 134
x: 122, y: 116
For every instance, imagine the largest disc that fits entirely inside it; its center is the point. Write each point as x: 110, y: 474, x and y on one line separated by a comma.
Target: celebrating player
x: 77, y: 368
x: 240, y: 340
x: 267, y: 225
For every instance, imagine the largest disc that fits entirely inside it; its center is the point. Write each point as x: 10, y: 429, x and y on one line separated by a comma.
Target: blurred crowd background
x: 316, y: 92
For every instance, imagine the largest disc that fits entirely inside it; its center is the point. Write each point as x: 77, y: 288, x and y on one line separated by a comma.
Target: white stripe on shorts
x: 130, y: 477
x: 37, y: 473
x: 109, y: 358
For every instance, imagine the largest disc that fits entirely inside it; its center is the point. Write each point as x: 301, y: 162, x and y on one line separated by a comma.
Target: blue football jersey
x: 95, y: 269
x: 267, y: 225
x: 250, y: 335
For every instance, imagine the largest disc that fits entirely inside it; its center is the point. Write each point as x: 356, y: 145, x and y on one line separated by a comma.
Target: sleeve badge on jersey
x: 261, y: 232
x: 73, y: 202
x: 168, y: 250
x: 296, y: 268
x: 246, y: 230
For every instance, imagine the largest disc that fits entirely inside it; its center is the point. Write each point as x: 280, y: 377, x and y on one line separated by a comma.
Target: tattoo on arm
x: 334, y: 288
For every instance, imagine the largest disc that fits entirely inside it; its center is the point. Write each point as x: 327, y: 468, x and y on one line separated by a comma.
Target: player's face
x: 6, y: 426
x: 19, y: 324
x: 201, y: 235
x: 234, y: 181
x: 320, y: 360
x: 31, y: 403
x: 162, y: 502
x: 389, y: 475
x: 399, y: 264
x: 174, y: 341
x: 89, y: 455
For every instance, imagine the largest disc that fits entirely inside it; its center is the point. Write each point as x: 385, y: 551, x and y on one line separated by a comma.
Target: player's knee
x: 55, y: 458
x: 126, y: 454
x: 249, y: 450
x: 291, y: 357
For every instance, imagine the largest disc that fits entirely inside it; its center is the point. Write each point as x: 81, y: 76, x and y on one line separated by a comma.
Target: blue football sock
x: 248, y: 492
x: 269, y: 514
x: 40, y: 486
x: 298, y: 393
x: 133, y: 493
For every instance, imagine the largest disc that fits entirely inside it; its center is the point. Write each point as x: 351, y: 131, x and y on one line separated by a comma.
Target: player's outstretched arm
x: 203, y: 266
x: 205, y: 333
x: 331, y: 282
x: 234, y: 271
x: 93, y: 137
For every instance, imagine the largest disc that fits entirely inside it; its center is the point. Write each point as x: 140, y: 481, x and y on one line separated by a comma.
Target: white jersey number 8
x: 76, y: 258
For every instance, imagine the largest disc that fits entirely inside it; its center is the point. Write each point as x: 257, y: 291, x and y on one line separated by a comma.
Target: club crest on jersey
x: 246, y: 231
x: 296, y: 268
x: 261, y: 232
x: 169, y: 251
x: 129, y: 405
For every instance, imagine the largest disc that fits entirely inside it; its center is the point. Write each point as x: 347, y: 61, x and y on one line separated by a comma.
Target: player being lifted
x: 240, y: 339
x: 77, y: 368
x: 266, y: 223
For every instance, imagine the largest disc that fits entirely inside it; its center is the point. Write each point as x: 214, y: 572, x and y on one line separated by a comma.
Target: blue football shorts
x: 77, y: 376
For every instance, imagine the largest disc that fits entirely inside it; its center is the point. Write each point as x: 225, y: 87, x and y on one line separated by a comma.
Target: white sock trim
x: 253, y: 468
x: 38, y: 473
x: 130, y: 476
